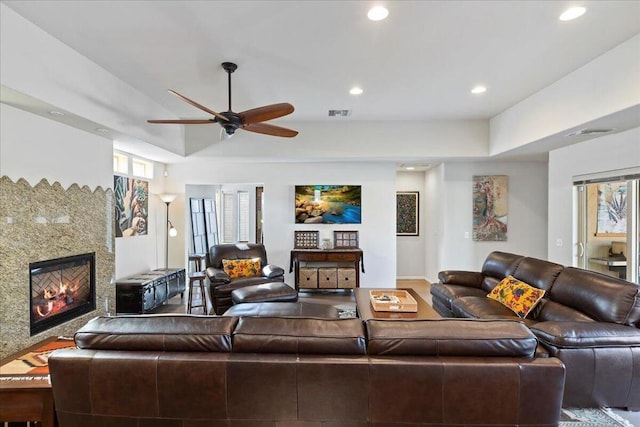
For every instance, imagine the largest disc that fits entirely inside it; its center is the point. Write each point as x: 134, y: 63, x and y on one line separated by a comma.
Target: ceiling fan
x: 251, y: 120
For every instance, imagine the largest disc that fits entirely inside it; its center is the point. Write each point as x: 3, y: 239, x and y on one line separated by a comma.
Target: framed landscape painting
x: 407, y: 204
x: 328, y: 204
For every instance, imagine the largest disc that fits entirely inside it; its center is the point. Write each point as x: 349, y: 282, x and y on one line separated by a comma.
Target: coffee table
x: 366, y: 311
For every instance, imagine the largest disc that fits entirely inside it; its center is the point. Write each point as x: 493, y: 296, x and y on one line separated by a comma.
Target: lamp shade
x: 173, y: 232
x: 167, y: 198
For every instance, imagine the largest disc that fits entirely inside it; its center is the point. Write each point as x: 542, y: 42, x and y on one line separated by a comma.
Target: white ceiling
x: 418, y: 64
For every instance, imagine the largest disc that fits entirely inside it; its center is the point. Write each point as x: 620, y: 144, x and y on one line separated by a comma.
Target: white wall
x: 527, y: 218
x: 607, y: 153
x: 410, y: 256
x: 434, y: 223
x: 606, y: 85
x: 376, y: 233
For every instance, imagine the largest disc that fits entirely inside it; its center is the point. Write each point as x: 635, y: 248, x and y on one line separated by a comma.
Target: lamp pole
x: 166, y: 238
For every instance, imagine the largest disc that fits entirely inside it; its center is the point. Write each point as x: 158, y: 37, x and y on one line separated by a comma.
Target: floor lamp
x: 171, y: 231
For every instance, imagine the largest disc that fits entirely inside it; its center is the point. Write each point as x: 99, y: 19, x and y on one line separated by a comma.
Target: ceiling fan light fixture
x: 378, y: 13
x: 572, y: 13
x: 224, y: 135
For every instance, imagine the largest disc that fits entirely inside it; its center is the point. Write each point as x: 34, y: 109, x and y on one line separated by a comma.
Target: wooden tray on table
x: 393, y: 300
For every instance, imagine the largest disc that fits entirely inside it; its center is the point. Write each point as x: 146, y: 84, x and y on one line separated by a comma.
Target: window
x: 243, y: 216
x: 236, y: 216
x: 141, y: 168
x: 120, y: 163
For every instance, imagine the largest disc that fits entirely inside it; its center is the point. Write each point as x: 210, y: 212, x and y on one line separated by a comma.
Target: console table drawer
x: 327, y: 269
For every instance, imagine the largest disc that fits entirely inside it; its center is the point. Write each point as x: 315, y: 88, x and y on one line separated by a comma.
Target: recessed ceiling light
x: 478, y: 89
x: 410, y: 168
x: 102, y: 130
x: 56, y: 113
x: 572, y: 13
x: 378, y: 13
x: 356, y: 91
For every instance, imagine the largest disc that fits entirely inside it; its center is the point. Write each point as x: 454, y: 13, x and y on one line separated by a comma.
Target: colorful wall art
x: 328, y: 204
x: 612, y: 209
x: 407, y: 203
x: 490, y: 208
x: 131, y: 206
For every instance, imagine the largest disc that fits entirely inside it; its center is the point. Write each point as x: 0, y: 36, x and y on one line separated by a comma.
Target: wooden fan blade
x: 270, y: 130
x: 268, y: 112
x: 184, y: 122
x: 202, y: 107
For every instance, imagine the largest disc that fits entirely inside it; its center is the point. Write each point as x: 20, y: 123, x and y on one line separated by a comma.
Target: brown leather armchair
x: 221, y: 285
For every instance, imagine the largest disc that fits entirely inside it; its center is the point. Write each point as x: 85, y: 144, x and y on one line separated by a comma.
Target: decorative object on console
x: 131, y: 206
x: 306, y: 239
x: 328, y: 204
x: 517, y: 296
x: 407, y: 207
x: 345, y: 239
x: 490, y: 208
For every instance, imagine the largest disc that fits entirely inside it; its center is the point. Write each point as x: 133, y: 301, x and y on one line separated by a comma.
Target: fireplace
x: 61, y: 289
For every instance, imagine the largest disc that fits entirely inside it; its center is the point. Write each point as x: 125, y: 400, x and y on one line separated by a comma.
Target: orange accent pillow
x: 517, y: 296
x: 242, y: 267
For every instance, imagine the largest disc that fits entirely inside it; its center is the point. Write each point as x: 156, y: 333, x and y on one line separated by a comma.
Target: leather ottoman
x: 265, y: 292
x: 284, y: 309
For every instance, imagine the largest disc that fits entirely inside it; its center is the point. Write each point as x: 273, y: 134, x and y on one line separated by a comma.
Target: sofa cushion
x: 236, y: 268
x: 448, y: 293
x: 517, y: 296
x: 500, y: 264
x: 548, y: 310
x: 299, y: 335
x: 603, y: 298
x: 586, y: 334
x: 450, y: 337
x: 484, y: 308
x: 159, y: 332
x: 538, y: 273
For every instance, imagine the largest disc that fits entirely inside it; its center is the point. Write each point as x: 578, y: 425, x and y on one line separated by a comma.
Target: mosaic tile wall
x: 44, y: 222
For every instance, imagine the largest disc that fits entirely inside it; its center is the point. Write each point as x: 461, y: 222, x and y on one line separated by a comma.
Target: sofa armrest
x: 464, y: 278
x: 217, y: 275
x: 586, y: 334
x: 272, y: 271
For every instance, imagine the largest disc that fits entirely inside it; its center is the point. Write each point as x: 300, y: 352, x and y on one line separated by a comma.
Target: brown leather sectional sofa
x: 588, y: 320
x: 193, y: 371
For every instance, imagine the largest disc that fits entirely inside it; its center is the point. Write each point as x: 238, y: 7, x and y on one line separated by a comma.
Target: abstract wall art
x: 490, y: 208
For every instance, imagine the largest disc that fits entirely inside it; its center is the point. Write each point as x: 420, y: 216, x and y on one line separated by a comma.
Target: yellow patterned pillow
x: 517, y: 296
x: 241, y: 267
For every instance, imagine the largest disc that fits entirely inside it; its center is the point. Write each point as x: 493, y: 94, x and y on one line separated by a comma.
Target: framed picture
x: 490, y: 208
x: 407, y: 203
x: 131, y: 206
x: 611, y: 205
x: 306, y: 239
x: 328, y: 204
x: 345, y: 239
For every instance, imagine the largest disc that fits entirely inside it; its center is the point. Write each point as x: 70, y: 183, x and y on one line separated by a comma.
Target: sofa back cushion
x: 548, y: 310
x: 451, y: 337
x: 157, y: 333
x: 299, y: 335
x: 538, y: 273
x: 230, y: 251
x: 601, y: 297
x: 497, y: 266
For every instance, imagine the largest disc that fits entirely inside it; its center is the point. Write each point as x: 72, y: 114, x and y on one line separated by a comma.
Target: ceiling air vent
x: 587, y: 131
x: 339, y: 113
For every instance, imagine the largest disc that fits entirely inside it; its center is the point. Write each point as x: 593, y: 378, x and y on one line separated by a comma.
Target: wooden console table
x: 353, y: 258
x: 25, y: 391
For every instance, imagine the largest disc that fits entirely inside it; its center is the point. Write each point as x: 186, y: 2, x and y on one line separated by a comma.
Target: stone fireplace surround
x: 44, y: 222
